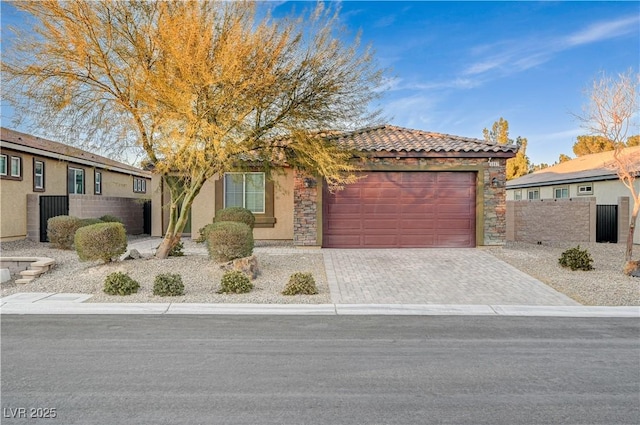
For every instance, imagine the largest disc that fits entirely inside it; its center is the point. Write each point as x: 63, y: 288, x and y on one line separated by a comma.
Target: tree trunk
x: 632, y: 228
x: 178, y: 220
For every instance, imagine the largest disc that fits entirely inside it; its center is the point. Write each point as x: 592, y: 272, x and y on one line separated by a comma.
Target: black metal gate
x: 147, y: 217
x: 51, y: 206
x: 607, y: 223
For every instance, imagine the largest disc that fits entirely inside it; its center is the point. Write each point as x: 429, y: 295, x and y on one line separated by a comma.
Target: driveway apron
x: 432, y: 276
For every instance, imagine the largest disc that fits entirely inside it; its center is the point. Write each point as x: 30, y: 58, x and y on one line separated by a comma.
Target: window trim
x: 8, y: 172
x: 84, y: 180
x: 585, y: 193
x: 529, y: 191
x: 139, y: 185
x: 265, y: 220
x: 244, y: 189
x: 97, y: 182
x: 37, y: 188
x: 561, y: 188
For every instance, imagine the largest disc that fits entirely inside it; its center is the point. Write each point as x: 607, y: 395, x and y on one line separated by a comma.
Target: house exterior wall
x: 13, y: 193
x: 606, y: 192
x: 490, y: 198
x: 203, y: 209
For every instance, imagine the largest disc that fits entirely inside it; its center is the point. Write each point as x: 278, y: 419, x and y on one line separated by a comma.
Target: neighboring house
x: 578, y: 200
x: 419, y: 189
x: 40, y: 178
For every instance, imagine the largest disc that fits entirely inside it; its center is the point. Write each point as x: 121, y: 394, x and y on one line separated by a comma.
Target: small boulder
x: 133, y: 254
x: 246, y: 265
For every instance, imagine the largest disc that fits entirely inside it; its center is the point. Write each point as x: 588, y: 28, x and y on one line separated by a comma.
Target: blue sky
x: 456, y: 67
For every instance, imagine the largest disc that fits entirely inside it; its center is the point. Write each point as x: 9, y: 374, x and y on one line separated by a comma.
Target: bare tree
x: 202, y: 87
x: 612, y: 113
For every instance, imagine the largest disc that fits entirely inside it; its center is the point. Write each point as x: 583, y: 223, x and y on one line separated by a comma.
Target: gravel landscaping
x: 605, y: 285
x: 201, y: 277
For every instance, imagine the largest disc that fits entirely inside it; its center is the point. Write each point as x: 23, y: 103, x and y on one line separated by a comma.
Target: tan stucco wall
x: 13, y: 193
x: 203, y: 208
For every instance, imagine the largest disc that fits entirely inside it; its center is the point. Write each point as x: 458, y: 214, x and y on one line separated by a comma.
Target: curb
x: 51, y: 305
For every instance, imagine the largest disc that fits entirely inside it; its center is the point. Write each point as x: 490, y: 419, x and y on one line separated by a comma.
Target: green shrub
x: 177, y: 250
x: 111, y: 219
x: 300, y: 284
x: 168, y: 285
x: 228, y: 240
x: 102, y: 241
x: 118, y: 283
x: 576, y: 259
x: 237, y: 214
x: 62, y: 229
x: 90, y: 221
x: 204, y: 233
x: 235, y: 282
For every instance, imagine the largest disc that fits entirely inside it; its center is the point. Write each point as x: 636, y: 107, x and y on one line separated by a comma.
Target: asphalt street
x: 116, y: 369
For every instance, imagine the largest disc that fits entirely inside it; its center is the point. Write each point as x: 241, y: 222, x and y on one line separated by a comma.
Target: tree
x: 499, y: 133
x: 202, y: 87
x: 610, y: 111
x: 563, y: 158
x: 586, y: 145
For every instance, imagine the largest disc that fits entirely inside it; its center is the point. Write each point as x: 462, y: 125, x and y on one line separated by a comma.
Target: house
x: 41, y: 178
x: 418, y: 189
x: 581, y: 200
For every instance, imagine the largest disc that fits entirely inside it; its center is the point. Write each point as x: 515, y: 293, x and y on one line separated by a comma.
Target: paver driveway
x: 431, y: 276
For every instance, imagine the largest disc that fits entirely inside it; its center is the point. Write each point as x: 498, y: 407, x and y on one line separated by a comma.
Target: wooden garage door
x: 402, y: 209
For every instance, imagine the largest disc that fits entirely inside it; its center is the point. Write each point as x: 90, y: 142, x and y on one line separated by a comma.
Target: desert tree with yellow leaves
x: 200, y: 87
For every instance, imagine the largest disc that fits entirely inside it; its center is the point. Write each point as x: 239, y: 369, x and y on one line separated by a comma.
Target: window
x: 517, y: 195
x: 75, y: 181
x: 38, y: 176
x: 585, y: 189
x: 139, y: 185
x: 98, y: 183
x: 3, y: 165
x: 533, y: 194
x: 16, y: 166
x: 11, y: 167
x: 560, y: 192
x: 245, y: 190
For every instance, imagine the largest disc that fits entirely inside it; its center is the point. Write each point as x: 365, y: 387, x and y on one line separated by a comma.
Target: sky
x: 457, y: 67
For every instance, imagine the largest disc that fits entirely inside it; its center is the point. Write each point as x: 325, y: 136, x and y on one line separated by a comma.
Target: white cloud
x: 603, y: 31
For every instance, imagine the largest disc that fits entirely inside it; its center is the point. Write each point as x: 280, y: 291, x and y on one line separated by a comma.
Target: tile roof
x: 592, y: 167
x: 56, y: 150
x: 391, y: 138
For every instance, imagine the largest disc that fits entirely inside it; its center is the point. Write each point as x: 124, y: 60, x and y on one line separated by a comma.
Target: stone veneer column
x: 305, y: 210
x: 495, y: 205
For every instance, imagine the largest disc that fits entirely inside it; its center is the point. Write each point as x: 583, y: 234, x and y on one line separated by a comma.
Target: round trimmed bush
x: 61, y: 230
x: 238, y: 214
x: 576, y: 259
x: 102, y: 241
x: 90, y: 221
x: 300, y: 284
x: 228, y: 240
x: 118, y: 283
x: 235, y: 282
x: 107, y: 218
x: 168, y: 285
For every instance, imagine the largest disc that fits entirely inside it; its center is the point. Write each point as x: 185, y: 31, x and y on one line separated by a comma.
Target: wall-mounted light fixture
x: 309, y: 182
x: 495, y: 182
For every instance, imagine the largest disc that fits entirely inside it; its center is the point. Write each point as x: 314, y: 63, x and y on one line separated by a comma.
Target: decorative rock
x: 247, y: 265
x: 133, y: 255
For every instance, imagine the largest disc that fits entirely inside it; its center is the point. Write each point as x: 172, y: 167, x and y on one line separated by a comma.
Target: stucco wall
x: 203, y: 208
x: 13, y: 193
x: 606, y: 192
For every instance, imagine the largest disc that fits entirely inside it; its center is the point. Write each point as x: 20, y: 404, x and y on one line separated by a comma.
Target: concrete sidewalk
x: 50, y: 303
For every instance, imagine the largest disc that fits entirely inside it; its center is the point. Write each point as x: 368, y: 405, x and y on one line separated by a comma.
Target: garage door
x: 402, y: 209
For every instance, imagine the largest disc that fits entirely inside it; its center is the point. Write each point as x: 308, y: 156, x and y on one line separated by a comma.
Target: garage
x: 410, y: 209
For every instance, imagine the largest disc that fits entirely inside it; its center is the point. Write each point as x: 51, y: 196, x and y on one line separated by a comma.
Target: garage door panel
x: 396, y: 209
